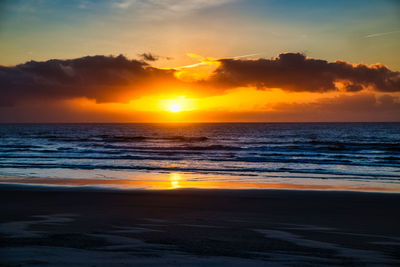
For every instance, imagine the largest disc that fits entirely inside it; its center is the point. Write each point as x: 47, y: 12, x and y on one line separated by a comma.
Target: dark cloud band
x: 295, y: 72
x: 118, y: 79
x: 104, y: 78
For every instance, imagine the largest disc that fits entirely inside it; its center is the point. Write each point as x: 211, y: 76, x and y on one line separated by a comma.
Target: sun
x: 175, y: 107
x: 178, y: 104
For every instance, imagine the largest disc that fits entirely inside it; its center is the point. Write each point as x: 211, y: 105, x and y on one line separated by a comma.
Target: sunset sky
x: 199, y: 61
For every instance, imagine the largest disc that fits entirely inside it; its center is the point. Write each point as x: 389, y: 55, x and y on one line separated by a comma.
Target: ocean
x: 327, y: 156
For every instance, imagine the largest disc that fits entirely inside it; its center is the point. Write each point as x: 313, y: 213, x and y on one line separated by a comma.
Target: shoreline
x: 176, y: 182
x: 21, y: 187
x: 198, y: 227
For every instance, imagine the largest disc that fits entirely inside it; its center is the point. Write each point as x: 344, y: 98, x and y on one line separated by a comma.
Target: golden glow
x: 180, y: 108
x: 176, y: 104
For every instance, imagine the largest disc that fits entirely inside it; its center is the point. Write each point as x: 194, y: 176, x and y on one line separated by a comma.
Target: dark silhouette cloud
x: 296, y: 72
x: 118, y: 79
x: 103, y: 78
x: 149, y: 57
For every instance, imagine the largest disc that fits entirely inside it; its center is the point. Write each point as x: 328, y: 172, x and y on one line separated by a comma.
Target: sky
x: 199, y: 60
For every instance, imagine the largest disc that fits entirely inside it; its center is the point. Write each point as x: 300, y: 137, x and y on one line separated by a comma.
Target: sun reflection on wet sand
x: 175, y: 178
x: 176, y: 181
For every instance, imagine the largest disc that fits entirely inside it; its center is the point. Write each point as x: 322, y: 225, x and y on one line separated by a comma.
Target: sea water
x: 228, y: 155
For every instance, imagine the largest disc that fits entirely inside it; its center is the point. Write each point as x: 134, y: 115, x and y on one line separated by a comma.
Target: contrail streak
x: 380, y: 34
x: 203, y: 63
x: 249, y: 55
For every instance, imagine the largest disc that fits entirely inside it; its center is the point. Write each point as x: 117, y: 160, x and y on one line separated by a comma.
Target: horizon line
x: 205, y: 122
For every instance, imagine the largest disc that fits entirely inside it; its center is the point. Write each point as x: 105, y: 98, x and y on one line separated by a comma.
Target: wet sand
x: 188, y: 227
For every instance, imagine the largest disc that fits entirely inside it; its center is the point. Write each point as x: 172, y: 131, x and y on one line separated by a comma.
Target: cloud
x: 123, y: 4
x: 103, y: 78
x: 296, y: 72
x: 169, y: 7
x: 358, y: 103
x: 189, y: 5
x: 118, y: 79
x: 358, y: 107
x: 149, y: 57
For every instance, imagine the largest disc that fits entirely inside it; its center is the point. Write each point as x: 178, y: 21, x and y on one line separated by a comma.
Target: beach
x: 223, y: 194
x: 55, y: 226
x: 199, y: 133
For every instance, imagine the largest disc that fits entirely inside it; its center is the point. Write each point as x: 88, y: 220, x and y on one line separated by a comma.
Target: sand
x: 50, y: 226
